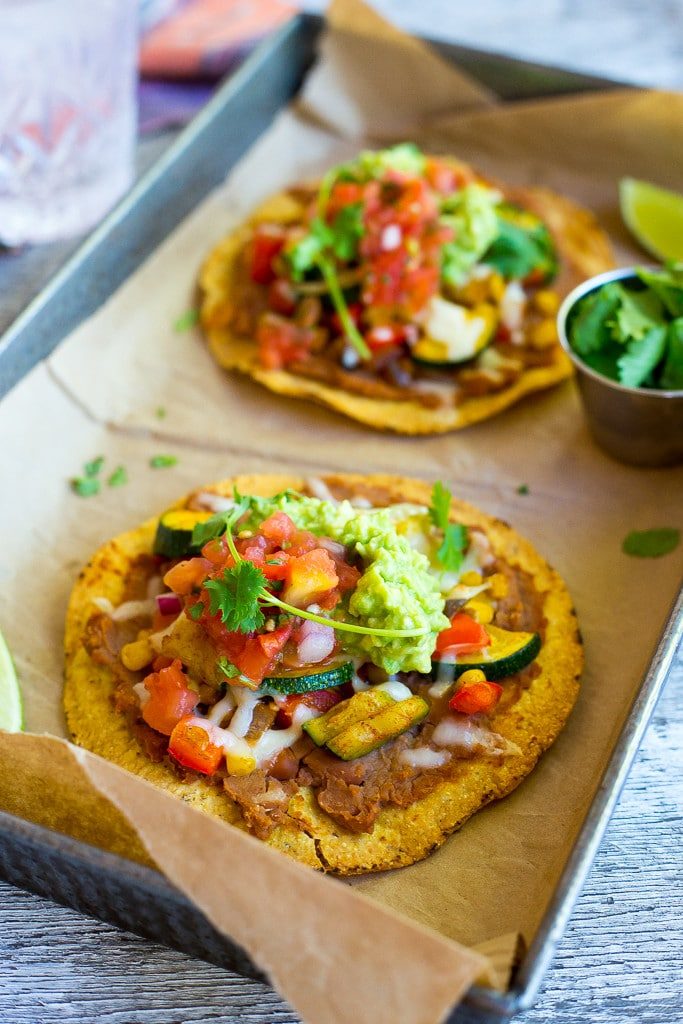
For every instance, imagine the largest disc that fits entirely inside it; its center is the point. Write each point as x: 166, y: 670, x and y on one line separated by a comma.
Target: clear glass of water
x: 67, y: 114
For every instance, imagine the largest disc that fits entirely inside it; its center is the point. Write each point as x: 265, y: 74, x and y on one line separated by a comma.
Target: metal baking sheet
x: 110, y: 887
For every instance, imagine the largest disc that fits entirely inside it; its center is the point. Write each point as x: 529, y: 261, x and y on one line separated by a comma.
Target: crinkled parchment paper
x: 400, y: 954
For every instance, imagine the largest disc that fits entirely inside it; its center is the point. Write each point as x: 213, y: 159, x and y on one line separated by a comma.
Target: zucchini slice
x: 356, y: 709
x: 509, y: 653
x: 370, y: 733
x: 306, y: 680
x: 174, y: 532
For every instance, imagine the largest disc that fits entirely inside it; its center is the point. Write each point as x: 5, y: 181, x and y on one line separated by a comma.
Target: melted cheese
x: 246, y: 700
x: 399, y: 691
x: 425, y: 757
x: 462, y: 733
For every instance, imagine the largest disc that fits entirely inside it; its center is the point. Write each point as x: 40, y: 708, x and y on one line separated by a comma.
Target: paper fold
x: 323, y: 946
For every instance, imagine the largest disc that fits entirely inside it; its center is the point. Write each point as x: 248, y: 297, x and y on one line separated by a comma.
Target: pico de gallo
x: 307, y: 641
x: 402, y: 276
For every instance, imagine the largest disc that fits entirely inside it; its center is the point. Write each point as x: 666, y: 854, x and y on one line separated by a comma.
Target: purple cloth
x: 163, y: 104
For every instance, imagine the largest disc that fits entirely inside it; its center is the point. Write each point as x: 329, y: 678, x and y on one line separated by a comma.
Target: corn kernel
x: 137, y: 654
x: 547, y: 301
x: 543, y: 335
x: 498, y: 586
x: 238, y: 764
x: 482, y: 611
x: 473, y: 675
x: 496, y: 286
x: 471, y: 578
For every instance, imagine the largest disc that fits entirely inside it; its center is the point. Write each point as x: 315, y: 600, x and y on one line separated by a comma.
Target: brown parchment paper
x: 99, y: 392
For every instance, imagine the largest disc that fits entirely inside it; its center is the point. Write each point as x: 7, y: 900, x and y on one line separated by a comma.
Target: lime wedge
x: 11, y: 712
x: 655, y: 216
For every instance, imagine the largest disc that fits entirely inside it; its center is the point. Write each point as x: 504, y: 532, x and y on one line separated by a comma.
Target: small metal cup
x: 641, y: 426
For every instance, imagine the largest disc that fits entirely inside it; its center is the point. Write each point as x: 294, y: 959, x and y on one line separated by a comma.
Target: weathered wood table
x: 621, y: 959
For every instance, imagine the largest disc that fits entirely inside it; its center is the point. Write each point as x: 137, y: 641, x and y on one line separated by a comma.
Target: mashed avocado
x: 471, y: 213
x: 397, y: 589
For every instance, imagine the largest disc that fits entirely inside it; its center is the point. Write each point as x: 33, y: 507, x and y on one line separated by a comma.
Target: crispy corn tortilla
x: 400, y: 836
x: 583, y: 248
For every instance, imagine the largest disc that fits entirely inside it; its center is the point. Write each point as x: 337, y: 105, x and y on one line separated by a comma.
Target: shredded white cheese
x: 319, y: 489
x: 463, y: 734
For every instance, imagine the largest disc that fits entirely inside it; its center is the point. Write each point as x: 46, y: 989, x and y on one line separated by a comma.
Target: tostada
x: 348, y: 666
x: 403, y: 290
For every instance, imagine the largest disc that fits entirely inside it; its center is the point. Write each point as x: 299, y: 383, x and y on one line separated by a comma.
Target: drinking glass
x: 67, y: 114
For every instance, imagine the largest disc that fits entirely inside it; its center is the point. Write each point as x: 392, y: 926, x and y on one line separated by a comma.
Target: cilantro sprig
x: 452, y: 550
x: 240, y: 592
x: 323, y: 245
x: 632, y: 330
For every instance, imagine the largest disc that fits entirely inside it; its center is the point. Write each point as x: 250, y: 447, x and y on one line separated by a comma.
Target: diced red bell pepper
x: 309, y: 576
x: 266, y: 244
x: 344, y: 193
x: 187, y: 575
x: 463, y: 636
x: 216, y: 551
x: 282, y: 297
x: 282, y: 341
x: 302, y: 542
x: 170, y: 698
x: 278, y: 527
x: 380, y: 338
x: 191, y: 745
x: 475, y: 698
x: 321, y: 700
x: 259, y: 653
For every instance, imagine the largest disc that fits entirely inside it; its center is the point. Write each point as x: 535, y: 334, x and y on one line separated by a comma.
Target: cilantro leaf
x: 651, y: 543
x: 195, y: 611
x: 667, y: 284
x: 452, y: 550
x: 235, y: 596
x: 642, y: 356
x: 672, y: 374
x: 440, y: 506
x: 217, y: 524
x: 85, y: 486
x: 523, y: 489
x: 304, y: 256
x: 522, y: 245
x: 347, y: 230
x: 163, y: 461
x: 227, y: 668
x: 589, y: 330
x: 638, y: 313
x: 186, y: 320
x: 118, y: 477
x: 93, y: 468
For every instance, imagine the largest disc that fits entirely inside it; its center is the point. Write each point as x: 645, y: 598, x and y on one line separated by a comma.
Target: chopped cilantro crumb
x: 93, y: 467
x: 85, y: 486
x: 160, y: 412
x: 651, y: 543
x: 195, y: 610
x: 227, y: 668
x: 186, y: 320
x: 163, y: 461
x: 118, y: 477
x: 523, y: 489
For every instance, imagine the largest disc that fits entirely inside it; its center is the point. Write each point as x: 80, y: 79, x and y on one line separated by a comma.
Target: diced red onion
x: 315, y: 642
x: 333, y: 546
x: 169, y: 604
x: 319, y: 489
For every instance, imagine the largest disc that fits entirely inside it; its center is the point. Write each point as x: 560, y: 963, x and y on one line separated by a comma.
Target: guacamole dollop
x: 396, y: 591
x: 471, y: 213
